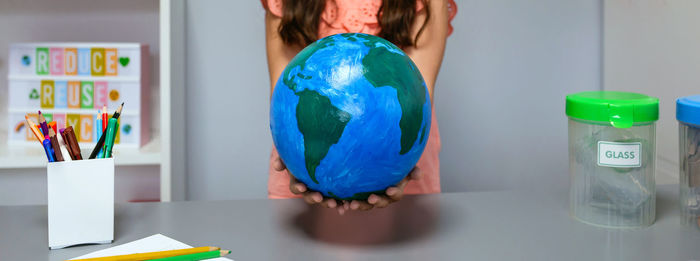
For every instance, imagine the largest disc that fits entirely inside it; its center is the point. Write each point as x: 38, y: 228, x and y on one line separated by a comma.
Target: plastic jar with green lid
x: 612, y: 152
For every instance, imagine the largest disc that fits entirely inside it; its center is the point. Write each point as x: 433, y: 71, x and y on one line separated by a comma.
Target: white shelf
x: 27, y: 156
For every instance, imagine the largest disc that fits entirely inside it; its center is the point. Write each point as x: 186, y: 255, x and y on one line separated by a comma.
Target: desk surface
x: 506, y: 225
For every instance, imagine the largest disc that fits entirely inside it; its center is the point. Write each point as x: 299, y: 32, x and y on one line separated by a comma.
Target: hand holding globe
x: 391, y: 195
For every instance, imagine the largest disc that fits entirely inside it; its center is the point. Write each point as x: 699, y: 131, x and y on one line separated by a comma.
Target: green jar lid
x: 621, y: 109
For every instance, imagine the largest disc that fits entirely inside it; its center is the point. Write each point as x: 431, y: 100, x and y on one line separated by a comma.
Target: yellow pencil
x: 152, y: 255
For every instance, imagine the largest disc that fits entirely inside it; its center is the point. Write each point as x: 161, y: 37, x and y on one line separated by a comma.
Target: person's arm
x: 278, y: 53
x: 278, y: 56
x: 430, y: 47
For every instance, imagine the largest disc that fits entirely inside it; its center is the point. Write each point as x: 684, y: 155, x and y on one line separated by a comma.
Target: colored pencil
x: 52, y: 125
x: 55, y: 146
x: 47, y: 149
x: 118, y: 111
x: 73, y: 141
x: 67, y: 144
x: 98, y: 123
x: 32, y: 126
x: 44, y: 126
x: 196, y: 257
x: 104, y: 117
x: 152, y: 255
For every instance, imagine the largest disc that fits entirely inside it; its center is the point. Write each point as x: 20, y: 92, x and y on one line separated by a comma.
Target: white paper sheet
x: 153, y: 243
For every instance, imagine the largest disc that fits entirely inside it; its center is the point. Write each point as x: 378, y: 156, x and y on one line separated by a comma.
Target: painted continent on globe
x: 350, y: 115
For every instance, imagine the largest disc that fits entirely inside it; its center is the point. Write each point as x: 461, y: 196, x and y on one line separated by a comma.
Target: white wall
x: 653, y: 47
x: 499, y: 97
x: 228, y: 133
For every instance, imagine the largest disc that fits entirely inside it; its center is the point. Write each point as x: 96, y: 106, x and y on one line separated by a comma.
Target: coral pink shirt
x: 359, y: 16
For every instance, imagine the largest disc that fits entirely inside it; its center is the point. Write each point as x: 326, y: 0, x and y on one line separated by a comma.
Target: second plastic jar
x: 612, y: 152
x: 688, y: 115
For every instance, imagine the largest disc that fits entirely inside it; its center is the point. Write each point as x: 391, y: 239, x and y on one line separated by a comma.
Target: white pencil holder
x: 80, y: 202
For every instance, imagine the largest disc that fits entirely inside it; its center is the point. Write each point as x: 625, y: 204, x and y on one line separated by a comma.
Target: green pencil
x: 196, y: 256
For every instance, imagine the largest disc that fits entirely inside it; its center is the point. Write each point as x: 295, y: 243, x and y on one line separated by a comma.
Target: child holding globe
x: 419, y: 27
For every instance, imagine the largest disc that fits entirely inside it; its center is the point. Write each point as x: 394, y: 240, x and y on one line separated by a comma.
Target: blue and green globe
x: 350, y: 115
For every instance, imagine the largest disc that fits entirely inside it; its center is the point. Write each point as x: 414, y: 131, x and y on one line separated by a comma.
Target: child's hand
x: 311, y: 197
x: 392, y: 194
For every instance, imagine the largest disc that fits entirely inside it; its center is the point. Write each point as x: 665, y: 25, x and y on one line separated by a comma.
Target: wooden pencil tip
x: 225, y: 252
x: 119, y: 110
x: 51, y: 132
x: 211, y: 248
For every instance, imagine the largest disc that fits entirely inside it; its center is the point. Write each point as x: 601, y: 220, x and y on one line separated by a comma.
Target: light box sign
x: 69, y: 82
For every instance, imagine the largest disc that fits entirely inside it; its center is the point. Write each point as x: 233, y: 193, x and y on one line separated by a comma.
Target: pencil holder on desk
x: 80, y: 202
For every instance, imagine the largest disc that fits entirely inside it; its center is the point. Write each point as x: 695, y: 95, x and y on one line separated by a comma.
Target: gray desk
x: 453, y: 226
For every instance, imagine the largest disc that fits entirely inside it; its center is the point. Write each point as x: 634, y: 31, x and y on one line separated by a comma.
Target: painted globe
x: 350, y: 115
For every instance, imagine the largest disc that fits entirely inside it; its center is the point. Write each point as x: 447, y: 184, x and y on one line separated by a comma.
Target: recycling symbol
x: 34, y: 94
